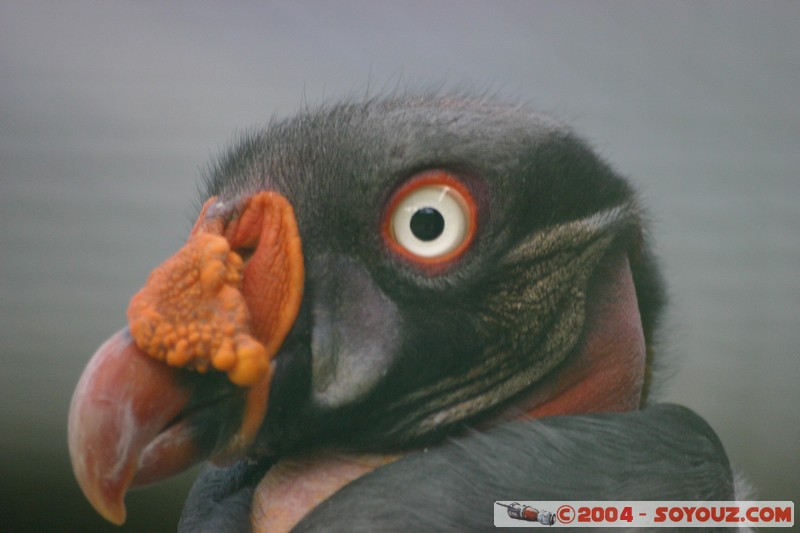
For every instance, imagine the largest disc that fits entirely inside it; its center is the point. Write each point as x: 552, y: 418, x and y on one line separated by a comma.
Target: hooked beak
x: 135, y: 421
x: 137, y: 415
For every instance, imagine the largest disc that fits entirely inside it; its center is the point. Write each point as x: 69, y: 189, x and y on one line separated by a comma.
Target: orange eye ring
x: 431, y: 220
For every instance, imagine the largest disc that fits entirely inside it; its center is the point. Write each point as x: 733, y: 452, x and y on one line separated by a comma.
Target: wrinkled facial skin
x: 204, y: 308
x: 293, y: 321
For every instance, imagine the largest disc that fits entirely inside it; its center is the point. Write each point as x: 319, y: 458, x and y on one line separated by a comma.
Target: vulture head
x: 395, y: 312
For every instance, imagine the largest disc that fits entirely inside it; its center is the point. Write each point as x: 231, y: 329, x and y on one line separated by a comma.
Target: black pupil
x: 427, y: 224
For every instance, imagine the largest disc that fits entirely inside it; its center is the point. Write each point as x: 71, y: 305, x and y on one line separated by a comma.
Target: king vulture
x: 390, y: 314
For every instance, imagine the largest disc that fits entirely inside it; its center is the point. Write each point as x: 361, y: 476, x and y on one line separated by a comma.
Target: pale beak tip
x: 113, y: 511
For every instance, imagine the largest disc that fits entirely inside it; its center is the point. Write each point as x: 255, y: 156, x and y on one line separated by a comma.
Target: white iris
x: 448, y: 203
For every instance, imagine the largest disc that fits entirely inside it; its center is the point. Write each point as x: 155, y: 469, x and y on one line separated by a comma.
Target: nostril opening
x: 245, y: 252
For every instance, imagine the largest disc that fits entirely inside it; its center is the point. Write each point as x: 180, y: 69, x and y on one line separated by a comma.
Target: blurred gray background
x: 109, y: 109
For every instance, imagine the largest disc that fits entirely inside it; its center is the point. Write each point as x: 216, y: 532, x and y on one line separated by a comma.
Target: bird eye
x: 431, y: 219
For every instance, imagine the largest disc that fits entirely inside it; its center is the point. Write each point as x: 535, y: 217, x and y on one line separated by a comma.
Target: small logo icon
x: 565, y: 514
x: 528, y: 513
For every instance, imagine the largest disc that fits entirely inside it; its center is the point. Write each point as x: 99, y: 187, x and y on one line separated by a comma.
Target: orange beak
x: 137, y: 416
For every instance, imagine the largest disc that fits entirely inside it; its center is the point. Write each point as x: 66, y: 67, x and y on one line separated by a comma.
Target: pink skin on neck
x: 607, y: 372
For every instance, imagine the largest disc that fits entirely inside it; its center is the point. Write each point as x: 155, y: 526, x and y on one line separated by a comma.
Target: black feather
x: 665, y: 452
